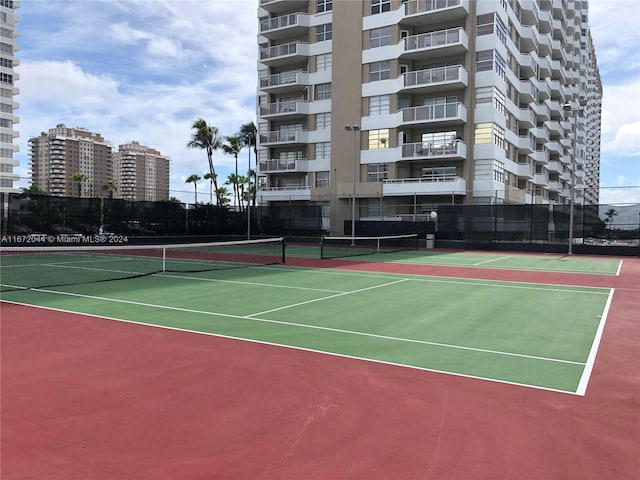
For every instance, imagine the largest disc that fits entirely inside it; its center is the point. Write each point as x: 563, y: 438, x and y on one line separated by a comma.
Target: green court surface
x: 528, y: 334
x: 502, y: 260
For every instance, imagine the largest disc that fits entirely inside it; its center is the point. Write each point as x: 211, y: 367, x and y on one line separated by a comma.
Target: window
x: 324, y: 32
x: 438, y: 140
x: 322, y: 179
x: 438, y: 173
x: 324, y: 62
x: 323, y: 121
x: 498, y: 171
x: 379, y: 71
x: 379, y: 6
x: 322, y: 91
x: 379, y: 105
x: 380, y: 37
x: 324, y: 6
x: 378, y: 139
x: 323, y: 150
x: 377, y: 172
x: 488, y: 59
x: 483, y: 133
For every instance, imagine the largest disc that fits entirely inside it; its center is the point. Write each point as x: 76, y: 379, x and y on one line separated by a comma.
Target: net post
x: 164, y: 259
x: 284, y: 246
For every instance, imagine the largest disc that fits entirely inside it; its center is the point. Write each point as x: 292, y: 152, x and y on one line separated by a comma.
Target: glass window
x: 323, y: 121
x: 379, y: 105
x: 322, y: 179
x: 376, y: 172
x: 324, y: 62
x: 323, y: 150
x: 324, y: 32
x: 322, y: 91
x: 379, y: 71
x: 483, y: 133
x: 380, y: 37
x: 498, y: 171
x: 324, y: 6
x: 379, y: 6
x: 378, y: 138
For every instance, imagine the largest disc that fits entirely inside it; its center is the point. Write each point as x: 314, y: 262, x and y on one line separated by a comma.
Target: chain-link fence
x: 594, y: 225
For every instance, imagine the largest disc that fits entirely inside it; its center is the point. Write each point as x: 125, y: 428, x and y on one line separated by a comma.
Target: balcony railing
x: 281, y: 50
x: 451, y: 73
x: 275, y: 165
x: 454, y: 149
x: 283, y: 79
x: 436, y: 184
x: 280, y: 108
x: 281, y: 137
x: 449, y: 111
x: 421, y: 6
x: 289, y: 20
x: 433, y: 39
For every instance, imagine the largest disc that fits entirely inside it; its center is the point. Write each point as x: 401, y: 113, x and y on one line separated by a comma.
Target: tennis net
x: 339, y: 247
x: 43, y: 267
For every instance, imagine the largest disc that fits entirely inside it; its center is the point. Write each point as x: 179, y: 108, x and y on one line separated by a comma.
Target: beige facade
x: 58, y: 155
x: 453, y: 101
x: 141, y: 173
x: 8, y: 91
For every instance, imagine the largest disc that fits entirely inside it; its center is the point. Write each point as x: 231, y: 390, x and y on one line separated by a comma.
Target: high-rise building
x: 70, y: 162
x: 405, y: 105
x: 141, y: 173
x: 8, y: 78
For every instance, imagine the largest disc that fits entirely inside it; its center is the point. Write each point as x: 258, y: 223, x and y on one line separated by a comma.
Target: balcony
x: 285, y: 54
x: 285, y: 82
x: 450, y: 114
x: 277, y: 28
x: 288, y: 109
x: 452, y: 41
x: 281, y: 6
x: 435, y: 79
x: 526, y: 117
x: 454, y: 150
x: 541, y: 178
x: 280, y: 165
x: 284, y: 138
x: 423, y: 12
x: 431, y: 185
x: 284, y: 193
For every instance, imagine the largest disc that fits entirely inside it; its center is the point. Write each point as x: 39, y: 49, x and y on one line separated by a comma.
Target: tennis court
x: 358, y: 330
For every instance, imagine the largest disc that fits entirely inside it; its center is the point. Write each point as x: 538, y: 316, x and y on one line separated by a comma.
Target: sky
x: 144, y: 70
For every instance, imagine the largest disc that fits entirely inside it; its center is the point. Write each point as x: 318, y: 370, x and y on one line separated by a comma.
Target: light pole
x: 355, y: 129
x: 250, y: 142
x: 567, y: 108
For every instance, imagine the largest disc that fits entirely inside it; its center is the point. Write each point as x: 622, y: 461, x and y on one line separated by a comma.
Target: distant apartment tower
x: 58, y: 155
x: 8, y: 78
x: 141, y: 173
x: 411, y: 104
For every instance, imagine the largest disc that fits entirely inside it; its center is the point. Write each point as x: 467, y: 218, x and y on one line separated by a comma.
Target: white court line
x: 492, y: 260
x: 304, y: 349
x: 314, y: 327
x: 327, y: 298
x: 429, y: 279
x: 591, y: 359
x: 619, y: 268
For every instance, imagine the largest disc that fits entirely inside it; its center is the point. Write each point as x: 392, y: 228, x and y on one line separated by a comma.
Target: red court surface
x: 94, y: 399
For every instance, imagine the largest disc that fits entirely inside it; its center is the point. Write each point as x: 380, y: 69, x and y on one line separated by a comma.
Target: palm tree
x: 195, y: 178
x: 235, y: 181
x: 206, y: 138
x: 110, y: 186
x: 232, y: 146
x: 612, y: 212
x: 249, y: 134
x: 223, y: 194
x: 79, y: 177
x: 208, y: 176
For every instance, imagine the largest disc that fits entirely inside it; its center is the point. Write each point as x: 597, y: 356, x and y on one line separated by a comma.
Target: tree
x: 79, y: 177
x: 34, y: 189
x: 249, y: 134
x: 232, y: 146
x: 612, y: 212
x: 195, y: 178
x: 110, y: 186
x: 222, y: 194
x: 206, y: 138
x: 208, y: 176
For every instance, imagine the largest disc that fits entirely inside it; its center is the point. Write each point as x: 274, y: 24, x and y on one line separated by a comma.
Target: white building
x: 453, y: 102
x: 8, y: 79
